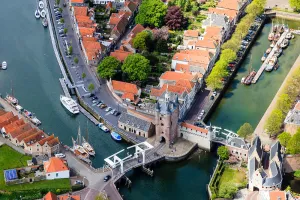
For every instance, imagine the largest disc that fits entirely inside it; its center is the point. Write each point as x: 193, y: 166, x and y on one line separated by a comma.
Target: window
x: 37, y: 149
x: 162, y: 124
x: 48, y: 174
x: 56, y: 174
x: 125, y: 128
x: 134, y: 131
x: 160, y: 118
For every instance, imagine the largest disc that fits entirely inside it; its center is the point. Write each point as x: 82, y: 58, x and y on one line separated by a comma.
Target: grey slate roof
x: 135, y: 122
x: 238, y: 142
x: 166, y: 107
x: 253, y: 165
x: 216, y: 20
x: 276, y: 177
x: 256, y: 145
x: 293, y: 117
x: 276, y: 149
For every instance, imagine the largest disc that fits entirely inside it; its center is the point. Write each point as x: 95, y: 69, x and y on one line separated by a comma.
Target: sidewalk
x: 260, y: 127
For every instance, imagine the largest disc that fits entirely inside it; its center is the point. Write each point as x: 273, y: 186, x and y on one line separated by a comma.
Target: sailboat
x: 271, y: 34
x: 248, y: 79
x: 77, y: 149
x: 10, y: 98
x: 37, y: 13
x: 87, y: 145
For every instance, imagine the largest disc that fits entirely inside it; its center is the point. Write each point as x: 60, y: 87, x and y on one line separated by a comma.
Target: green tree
x: 255, y: 9
x: 227, y: 190
x: 137, y: 67
x: 232, y: 44
x: 76, y: 60
x: 70, y: 50
x: 65, y: 30
x: 108, y: 67
x: 284, y: 138
x: 223, y: 153
x: 245, y: 130
x: 297, y: 173
x: 228, y: 55
x: 274, y: 122
x: 91, y: 87
x: 293, y: 146
x: 142, y: 40
x: 214, y: 81
x: 62, y: 20
x: 161, y: 46
x: 284, y: 103
x: 83, y: 76
x: 295, y: 4
x: 151, y: 13
x: 57, y: 2
x: 60, y: 10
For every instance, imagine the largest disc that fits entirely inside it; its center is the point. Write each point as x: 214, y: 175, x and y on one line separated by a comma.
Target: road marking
x: 75, y: 67
x: 79, y: 81
x: 87, y: 194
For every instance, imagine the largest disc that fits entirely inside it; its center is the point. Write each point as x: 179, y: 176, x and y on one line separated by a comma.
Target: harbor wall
x: 181, y: 157
x: 220, y: 95
x: 285, y: 15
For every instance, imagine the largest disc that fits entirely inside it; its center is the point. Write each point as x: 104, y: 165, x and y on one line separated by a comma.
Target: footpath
x: 259, y: 130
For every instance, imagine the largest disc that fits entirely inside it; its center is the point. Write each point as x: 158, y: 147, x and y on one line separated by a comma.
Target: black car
x: 106, y: 178
x: 211, y: 97
x: 117, y: 113
x: 94, y: 98
x: 92, y: 95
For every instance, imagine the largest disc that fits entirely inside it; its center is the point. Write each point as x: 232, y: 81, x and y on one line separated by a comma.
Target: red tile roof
x: 128, y: 95
x: 213, y: 32
x: 80, y: 11
x: 191, y: 33
x: 206, y: 43
x: 137, y: 29
x: 198, y: 52
x: 131, y: 5
x: 171, y: 75
x: 171, y: 88
x: 67, y: 197
x: 86, y: 31
x: 6, y: 116
x: 277, y: 195
x: 125, y: 87
x: 77, y: 1
x: 55, y: 165
x: 50, y: 196
x: 229, y: 4
x: 10, y: 127
x: 230, y: 13
x: 120, y: 55
x: 34, y: 138
x: 84, y: 21
x: 26, y: 134
x: 190, y: 126
x: 182, y: 67
x: 192, y: 58
x: 21, y: 129
x: 2, y: 112
x: 8, y: 121
x: 51, y: 141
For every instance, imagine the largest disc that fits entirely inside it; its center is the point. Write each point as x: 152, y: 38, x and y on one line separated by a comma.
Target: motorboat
x: 276, y: 66
x: 12, y: 100
x: 284, y: 43
x: 4, y: 65
x: 271, y: 36
x: 281, y: 28
x: 31, y: 117
x: 273, y: 44
x: 41, y: 4
x: 103, y: 128
x: 276, y: 37
x: 278, y: 52
x: 43, y: 13
x: 243, y: 80
x: 70, y: 104
x: 88, y: 147
x: 45, y: 22
x: 37, y: 14
x: 116, y: 136
x: 271, y: 64
x: 264, y: 57
x: 250, y: 77
x: 288, y: 36
x: 268, y: 50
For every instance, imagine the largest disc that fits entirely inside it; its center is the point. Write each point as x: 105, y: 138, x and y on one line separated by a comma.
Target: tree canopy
x: 108, y: 67
x: 142, y: 40
x: 151, y: 13
x: 274, y: 122
x: 228, y: 56
x: 297, y: 173
x: 245, y: 130
x: 284, y: 138
x: 91, y: 87
x: 223, y: 153
x: 295, y: 4
x: 137, y: 67
x: 284, y: 103
x: 293, y: 146
x: 227, y: 191
x: 175, y: 19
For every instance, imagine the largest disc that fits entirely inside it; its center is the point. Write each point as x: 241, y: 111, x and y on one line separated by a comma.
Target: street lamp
x: 83, y: 180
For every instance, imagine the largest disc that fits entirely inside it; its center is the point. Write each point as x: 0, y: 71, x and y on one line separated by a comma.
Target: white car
x: 108, y: 109
x: 214, y: 93
x: 60, y: 155
x: 202, y: 112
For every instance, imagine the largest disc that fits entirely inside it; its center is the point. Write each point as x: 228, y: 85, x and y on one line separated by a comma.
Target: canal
x: 242, y: 103
x: 33, y: 72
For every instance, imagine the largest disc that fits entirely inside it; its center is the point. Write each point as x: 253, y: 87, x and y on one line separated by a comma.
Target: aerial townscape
x: 150, y: 99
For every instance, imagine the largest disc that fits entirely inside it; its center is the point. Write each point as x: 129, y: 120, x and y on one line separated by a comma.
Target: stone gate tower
x: 166, y: 119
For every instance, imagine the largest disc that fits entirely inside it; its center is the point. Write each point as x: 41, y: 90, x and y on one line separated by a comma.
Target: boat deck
x: 264, y: 65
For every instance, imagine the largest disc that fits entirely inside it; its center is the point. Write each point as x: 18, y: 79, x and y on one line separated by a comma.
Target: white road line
x: 87, y: 194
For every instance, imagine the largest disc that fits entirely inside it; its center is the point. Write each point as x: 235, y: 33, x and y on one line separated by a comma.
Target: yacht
x: 87, y: 147
x: 70, y: 104
x: 103, y: 128
x: 12, y: 100
x: 41, y: 4
x: 43, y: 13
x: 271, y: 36
x: 289, y: 36
x: 37, y: 14
x: 268, y: 50
x: 271, y: 64
x: 284, y: 43
x: 45, y: 22
x: 4, y: 65
x: 31, y: 117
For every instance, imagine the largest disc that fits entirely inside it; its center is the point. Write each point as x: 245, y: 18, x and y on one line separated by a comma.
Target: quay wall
x: 281, y: 14
x: 218, y: 98
x: 170, y: 158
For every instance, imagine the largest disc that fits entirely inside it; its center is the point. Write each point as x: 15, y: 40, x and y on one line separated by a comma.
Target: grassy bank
x: 10, y: 159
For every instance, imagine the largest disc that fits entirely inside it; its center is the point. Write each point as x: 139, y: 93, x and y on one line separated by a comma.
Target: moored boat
x: 271, y: 36
x: 268, y: 50
x: 250, y: 77
x: 288, y: 36
x: 103, y: 128
x: 88, y: 147
x: 12, y: 100
x: 70, y: 104
x: 276, y: 37
x: 29, y: 115
x: 45, y: 22
x: 278, y: 52
x: 243, y: 80
x: 43, y: 13
x: 273, y: 44
x: 276, y: 66
x: 4, y: 65
x: 37, y: 14
x: 271, y: 64
x: 41, y: 4
x: 264, y: 57
x: 116, y: 136
x: 284, y: 43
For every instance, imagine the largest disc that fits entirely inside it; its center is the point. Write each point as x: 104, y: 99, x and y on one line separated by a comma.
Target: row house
x: 126, y: 91
x: 292, y: 120
x: 180, y: 86
x: 77, y: 3
x: 128, y: 41
x: 118, y: 23
x: 237, y: 6
x: 120, y: 54
x: 23, y: 134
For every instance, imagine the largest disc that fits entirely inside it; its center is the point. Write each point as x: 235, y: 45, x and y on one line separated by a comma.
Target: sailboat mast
x: 87, y: 133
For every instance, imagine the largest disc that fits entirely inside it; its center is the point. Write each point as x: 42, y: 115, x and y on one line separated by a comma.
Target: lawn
x: 9, y: 159
x: 234, y: 176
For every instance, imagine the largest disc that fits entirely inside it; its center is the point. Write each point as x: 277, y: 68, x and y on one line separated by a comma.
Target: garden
x: 9, y: 159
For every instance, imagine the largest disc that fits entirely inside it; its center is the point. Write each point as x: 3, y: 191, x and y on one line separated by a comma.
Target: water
x: 248, y: 103
x: 34, y: 73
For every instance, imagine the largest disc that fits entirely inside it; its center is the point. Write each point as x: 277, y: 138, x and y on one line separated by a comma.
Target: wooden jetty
x: 64, y: 87
x: 264, y: 65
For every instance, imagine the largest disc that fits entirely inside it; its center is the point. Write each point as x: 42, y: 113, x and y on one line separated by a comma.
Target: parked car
x: 78, y: 182
x: 94, y: 98
x: 112, y: 111
x: 211, y: 97
x: 214, y: 93
x: 108, y: 109
x: 106, y: 178
x: 103, y: 106
x: 95, y: 102
x: 117, y: 113
x: 92, y: 95
x: 60, y: 155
